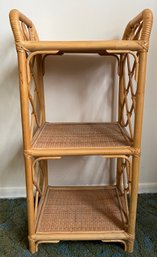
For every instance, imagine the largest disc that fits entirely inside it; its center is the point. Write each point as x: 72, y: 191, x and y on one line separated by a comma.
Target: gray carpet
x: 13, y: 234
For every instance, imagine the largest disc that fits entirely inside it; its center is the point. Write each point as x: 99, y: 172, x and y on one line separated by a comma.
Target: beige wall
x: 78, y: 88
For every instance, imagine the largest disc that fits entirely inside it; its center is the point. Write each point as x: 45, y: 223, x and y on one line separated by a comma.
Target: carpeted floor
x: 13, y: 234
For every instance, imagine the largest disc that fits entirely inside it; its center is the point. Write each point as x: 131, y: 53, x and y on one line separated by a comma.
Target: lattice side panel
x: 28, y: 33
x: 39, y: 177
x: 129, y: 74
x: 124, y: 178
x: 35, y: 97
x: 129, y: 90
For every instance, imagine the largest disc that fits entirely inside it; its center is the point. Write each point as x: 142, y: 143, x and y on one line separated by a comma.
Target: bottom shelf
x: 81, y: 211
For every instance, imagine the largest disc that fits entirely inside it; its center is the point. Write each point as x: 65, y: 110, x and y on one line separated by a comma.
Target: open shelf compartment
x: 84, y: 212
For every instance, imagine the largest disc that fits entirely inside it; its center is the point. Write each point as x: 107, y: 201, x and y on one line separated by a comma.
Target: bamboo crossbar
x: 81, y: 46
x: 110, y: 216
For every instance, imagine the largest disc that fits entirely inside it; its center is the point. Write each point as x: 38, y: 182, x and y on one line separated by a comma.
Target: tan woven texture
x: 80, y: 210
x: 76, y: 135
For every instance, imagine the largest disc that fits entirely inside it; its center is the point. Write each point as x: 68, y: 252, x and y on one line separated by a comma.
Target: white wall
x: 72, y: 90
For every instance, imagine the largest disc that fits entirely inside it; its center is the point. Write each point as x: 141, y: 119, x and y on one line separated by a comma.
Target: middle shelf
x: 58, y: 139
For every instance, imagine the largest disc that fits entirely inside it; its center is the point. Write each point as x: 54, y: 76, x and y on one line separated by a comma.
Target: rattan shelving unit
x: 82, y: 213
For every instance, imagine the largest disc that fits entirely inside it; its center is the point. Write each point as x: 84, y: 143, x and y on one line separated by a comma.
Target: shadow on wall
x: 81, y: 88
x: 11, y: 164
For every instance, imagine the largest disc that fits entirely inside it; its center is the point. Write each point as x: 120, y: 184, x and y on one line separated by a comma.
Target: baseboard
x: 147, y: 188
x: 12, y: 192
x: 17, y: 192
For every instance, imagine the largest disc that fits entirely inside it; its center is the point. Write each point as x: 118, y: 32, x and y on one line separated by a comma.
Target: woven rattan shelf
x: 77, y: 210
x: 75, y: 138
x: 79, y: 213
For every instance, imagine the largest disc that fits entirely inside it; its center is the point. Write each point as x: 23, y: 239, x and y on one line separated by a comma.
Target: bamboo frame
x: 31, y: 57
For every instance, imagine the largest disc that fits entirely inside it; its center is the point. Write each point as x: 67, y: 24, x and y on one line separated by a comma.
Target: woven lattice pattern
x: 130, y: 71
x: 69, y: 135
x: 80, y: 210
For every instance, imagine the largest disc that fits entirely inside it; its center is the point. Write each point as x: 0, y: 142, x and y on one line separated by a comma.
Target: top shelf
x: 135, y: 37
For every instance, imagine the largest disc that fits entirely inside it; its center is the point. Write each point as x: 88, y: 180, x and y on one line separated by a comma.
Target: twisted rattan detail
x: 22, y: 27
x: 139, y: 28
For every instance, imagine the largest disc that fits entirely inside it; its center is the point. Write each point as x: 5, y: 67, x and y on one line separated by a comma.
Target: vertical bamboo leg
x: 137, y: 143
x: 120, y: 114
x: 30, y: 203
x: 118, y: 175
x: 32, y: 245
x: 42, y: 108
x: 26, y: 145
x: 45, y: 169
x: 133, y: 203
x: 41, y: 86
